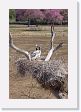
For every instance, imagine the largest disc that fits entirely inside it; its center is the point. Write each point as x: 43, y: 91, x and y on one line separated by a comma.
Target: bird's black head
x: 37, y: 47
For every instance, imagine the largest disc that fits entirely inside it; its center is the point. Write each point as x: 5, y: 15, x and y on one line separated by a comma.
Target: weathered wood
x: 26, y: 53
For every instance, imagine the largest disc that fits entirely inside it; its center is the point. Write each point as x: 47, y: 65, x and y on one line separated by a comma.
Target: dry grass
x: 26, y: 38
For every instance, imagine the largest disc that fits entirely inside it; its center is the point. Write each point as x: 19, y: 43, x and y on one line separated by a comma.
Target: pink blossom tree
x: 50, y: 15
x: 33, y: 14
x: 20, y: 15
x: 53, y: 15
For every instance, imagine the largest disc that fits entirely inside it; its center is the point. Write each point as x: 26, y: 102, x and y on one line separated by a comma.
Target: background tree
x: 33, y: 14
x: 20, y: 15
x: 50, y: 16
x: 12, y: 15
x: 29, y: 15
x: 53, y: 15
x: 64, y: 13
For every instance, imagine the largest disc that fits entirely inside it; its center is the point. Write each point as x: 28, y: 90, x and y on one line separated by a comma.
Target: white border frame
x: 71, y: 102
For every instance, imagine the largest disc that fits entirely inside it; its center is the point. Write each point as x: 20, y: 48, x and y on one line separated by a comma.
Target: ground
x: 26, y: 38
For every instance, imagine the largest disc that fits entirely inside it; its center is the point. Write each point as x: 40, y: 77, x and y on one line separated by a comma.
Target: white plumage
x: 36, y: 54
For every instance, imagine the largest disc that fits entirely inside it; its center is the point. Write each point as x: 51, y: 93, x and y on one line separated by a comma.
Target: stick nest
x: 52, y: 74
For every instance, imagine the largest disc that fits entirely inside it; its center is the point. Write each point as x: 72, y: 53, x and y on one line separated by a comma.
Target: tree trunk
x: 52, y: 32
x: 28, y: 22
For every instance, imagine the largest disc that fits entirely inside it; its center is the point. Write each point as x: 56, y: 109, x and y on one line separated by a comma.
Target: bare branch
x: 52, y: 36
x: 52, y: 50
x: 18, y: 49
x: 57, y: 47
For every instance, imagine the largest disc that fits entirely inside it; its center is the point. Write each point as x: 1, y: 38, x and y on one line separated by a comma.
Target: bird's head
x: 37, y: 47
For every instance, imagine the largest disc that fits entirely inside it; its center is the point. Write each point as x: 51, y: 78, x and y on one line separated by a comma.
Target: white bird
x: 36, y: 54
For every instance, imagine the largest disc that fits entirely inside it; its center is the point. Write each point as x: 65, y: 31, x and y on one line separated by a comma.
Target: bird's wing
x: 33, y: 54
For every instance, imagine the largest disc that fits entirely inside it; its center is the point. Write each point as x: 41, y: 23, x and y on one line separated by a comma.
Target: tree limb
x: 52, y: 50
x: 57, y: 47
x: 18, y: 49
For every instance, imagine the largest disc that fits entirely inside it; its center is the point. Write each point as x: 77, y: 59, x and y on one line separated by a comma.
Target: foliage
x: 53, y: 15
x: 12, y: 15
x: 64, y: 13
x: 40, y: 15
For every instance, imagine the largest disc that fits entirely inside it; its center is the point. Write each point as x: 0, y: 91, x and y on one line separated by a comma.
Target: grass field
x: 26, y: 38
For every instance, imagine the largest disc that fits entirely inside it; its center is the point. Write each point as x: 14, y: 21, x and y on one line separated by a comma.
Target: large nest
x: 50, y: 74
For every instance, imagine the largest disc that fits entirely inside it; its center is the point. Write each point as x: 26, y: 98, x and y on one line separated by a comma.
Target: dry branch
x: 52, y: 50
x: 18, y: 49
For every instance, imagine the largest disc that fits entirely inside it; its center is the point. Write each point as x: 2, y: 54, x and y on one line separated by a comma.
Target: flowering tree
x: 64, y: 13
x: 50, y: 15
x: 53, y: 15
x: 29, y: 14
